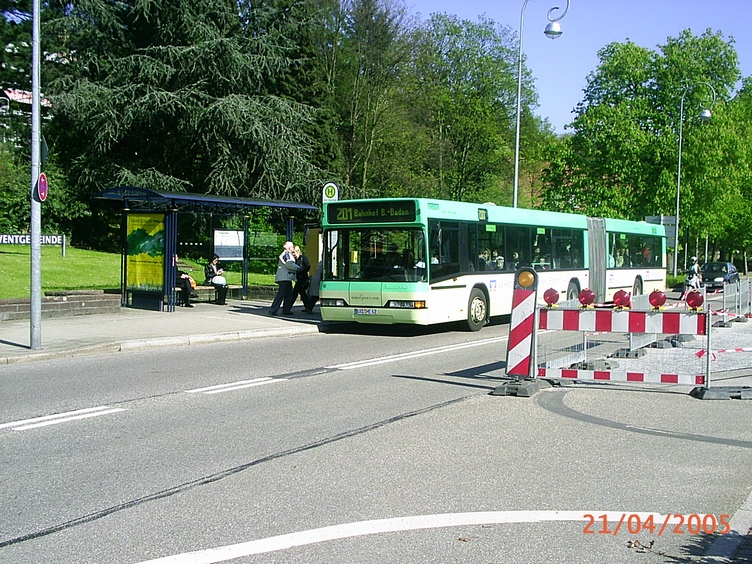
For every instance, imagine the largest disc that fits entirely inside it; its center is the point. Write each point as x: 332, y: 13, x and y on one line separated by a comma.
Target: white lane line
x: 234, y: 386
x: 362, y: 528
x: 60, y: 418
x: 415, y: 354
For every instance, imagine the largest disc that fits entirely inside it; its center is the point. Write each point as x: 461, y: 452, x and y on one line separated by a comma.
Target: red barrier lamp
x: 586, y: 297
x: 694, y: 299
x: 551, y: 296
x: 657, y: 299
x: 622, y: 299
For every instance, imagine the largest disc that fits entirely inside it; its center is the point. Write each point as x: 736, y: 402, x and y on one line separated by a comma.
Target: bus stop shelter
x: 149, y: 237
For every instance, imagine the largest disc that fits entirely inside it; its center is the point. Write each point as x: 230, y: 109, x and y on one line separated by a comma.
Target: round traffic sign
x: 331, y: 192
x: 42, y: 187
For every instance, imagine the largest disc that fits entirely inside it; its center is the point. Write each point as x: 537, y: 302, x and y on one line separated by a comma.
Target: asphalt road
x: 365, y: 445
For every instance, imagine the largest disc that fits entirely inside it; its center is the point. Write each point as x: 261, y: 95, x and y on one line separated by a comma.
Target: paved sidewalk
x: 135, y: 328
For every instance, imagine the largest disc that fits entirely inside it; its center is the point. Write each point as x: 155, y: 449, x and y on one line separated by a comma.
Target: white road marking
x: 362, y: 528
x: 60, y: 418
x: 414, y: 354
x: 234, y: 386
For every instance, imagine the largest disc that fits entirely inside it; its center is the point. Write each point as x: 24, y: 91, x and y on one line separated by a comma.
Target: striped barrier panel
x: 622, y: 376
x: 521, y: 329
x: 626, y: 321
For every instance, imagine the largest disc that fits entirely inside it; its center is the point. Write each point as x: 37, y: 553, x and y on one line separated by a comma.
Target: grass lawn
x: 80, y: 270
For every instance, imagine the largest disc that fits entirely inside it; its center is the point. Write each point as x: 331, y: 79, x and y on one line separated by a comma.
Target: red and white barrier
x: 617, y: 376
x: 702, y: 353
x: 595, y: 320
x: 624, y: 321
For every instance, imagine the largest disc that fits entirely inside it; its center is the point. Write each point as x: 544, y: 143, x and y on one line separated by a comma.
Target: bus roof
x: 625, y: 226
x: 464, y: 211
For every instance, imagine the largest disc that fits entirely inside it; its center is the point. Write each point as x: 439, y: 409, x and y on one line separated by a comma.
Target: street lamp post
x: 704, y: 115
x: 553, y: 30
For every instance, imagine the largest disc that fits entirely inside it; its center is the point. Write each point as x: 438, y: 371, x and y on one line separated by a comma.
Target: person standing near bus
x: 302, y: 279
x: 313, y: 288
x: 287, y: 271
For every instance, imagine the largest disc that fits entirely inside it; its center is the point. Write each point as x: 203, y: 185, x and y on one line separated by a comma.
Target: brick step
x: 57, y: 304
x: 84, y: 302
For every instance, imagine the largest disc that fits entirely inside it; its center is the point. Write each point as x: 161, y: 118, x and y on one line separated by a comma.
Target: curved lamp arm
x: 552, y: 10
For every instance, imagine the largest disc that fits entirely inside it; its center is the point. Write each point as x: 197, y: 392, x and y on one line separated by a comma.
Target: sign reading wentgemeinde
x: 25, y: 239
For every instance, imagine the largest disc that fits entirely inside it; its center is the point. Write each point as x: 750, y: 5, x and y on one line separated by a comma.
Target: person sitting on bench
x: 214, y: 277
x: 183, y: 281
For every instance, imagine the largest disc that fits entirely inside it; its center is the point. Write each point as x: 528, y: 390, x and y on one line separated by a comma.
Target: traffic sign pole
x: 35, y: 305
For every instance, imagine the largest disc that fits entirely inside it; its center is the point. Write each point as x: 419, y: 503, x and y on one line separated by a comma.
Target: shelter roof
x: 143, y: 199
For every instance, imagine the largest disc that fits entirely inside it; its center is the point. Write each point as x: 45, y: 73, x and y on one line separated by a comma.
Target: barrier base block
x: 601, y: 364
x: 521, y: 388
x: 682, y: 338
x: 722, y: 393
x: 740, y: 319
x: 626, y: 353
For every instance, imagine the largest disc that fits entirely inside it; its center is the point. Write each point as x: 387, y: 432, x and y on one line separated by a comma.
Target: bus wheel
x: 573, y: 290
x: 637, y: 288
x: 477, y: 310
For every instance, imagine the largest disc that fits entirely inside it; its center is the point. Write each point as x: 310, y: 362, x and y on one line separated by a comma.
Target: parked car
x: 716, y: 274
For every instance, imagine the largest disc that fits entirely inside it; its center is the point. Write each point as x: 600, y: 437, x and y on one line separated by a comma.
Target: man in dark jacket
x: 302, y: 279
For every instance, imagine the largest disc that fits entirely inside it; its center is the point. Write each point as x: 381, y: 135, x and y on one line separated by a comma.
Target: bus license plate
x: 359, y: 311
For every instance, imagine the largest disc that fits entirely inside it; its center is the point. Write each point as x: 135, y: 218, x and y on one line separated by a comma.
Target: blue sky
x: 561, y: 66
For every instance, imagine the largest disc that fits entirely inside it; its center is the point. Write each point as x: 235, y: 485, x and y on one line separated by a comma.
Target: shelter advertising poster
x: 145, y: 246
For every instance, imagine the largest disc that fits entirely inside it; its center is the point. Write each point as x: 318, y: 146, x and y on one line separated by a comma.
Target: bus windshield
x: 378, y: 254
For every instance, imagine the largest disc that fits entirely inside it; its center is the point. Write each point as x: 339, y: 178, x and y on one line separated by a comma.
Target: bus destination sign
x: 341, y: 213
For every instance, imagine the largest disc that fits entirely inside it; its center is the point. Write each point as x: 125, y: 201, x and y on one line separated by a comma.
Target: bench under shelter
x: 149, y: 236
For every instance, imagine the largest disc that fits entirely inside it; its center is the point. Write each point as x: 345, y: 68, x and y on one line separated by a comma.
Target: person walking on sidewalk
x: 287, y: 271
x: 694, y: 278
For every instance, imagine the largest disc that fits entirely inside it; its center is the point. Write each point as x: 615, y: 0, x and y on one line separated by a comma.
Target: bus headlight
x: 333, y: 302
x: 406, y: 304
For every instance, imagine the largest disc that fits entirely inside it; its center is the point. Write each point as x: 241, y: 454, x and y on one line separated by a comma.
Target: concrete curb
x: 78, y: 351
x: 184, y: 340
x: 177, y: 340
x: 725, y: 547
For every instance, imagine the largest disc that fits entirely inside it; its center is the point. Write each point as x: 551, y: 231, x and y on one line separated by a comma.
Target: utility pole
x: 36, y: 205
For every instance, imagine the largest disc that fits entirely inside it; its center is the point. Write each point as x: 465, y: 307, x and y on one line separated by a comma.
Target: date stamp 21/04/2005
x: 672, y: 523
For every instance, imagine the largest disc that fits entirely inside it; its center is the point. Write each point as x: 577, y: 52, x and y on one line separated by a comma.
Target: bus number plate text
x: 359, y: 311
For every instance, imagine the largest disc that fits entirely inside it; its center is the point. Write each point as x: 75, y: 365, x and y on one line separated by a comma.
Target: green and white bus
x: 423, y: 261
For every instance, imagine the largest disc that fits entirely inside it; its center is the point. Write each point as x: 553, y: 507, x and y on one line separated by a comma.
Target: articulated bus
x: 423, y: 261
